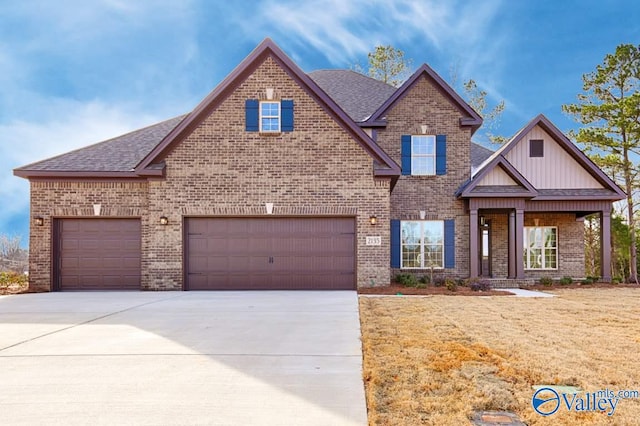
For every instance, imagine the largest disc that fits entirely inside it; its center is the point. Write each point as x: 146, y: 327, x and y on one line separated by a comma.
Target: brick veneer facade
x: 64, y: 199
x: 425, y: 104
x: 222, y: 170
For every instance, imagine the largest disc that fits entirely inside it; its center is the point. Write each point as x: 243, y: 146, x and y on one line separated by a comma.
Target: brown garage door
x: 270, y: 253
x: 97, y: 254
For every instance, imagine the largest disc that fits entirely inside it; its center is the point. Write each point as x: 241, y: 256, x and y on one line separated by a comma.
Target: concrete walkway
x: 519, y: 292
x: 181, y: 358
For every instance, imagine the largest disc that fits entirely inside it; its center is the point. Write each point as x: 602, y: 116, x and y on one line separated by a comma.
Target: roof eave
x: 613, y: 197
x: 28, y: 174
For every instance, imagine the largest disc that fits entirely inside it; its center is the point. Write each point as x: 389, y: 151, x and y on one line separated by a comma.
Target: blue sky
x: 76, y: 72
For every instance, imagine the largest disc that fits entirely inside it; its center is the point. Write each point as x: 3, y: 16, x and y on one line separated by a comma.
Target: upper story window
x: 269, y: 116
x: 423, y: 155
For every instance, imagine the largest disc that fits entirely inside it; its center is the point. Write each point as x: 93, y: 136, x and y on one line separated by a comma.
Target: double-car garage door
x: 220, y: 254
x: 270, y: 253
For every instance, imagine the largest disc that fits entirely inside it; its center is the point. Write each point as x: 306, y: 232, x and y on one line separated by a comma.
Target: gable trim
x: 528, y: 191
x: 565, y: 144
x: 472, y: 120
x: 386, y: 166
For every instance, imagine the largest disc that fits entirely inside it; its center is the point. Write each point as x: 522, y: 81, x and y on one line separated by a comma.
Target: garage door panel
x: 270, y: 253
x: 98, y: 254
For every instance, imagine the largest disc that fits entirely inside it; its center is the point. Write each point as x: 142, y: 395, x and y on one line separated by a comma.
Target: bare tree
x: 12, y: 256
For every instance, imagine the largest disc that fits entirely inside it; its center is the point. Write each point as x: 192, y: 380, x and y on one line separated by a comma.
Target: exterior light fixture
x: 423, y: 214
x: 373, y: 219
x: 164, y: 220
x: 38, y: 220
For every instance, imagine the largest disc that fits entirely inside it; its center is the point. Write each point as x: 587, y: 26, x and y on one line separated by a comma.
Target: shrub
x: 425, y: 280
x: 593, y: 279
x: 587, y: 281
x: 480, y: 286
x: 7, y: 278
x: 421, y: 285
x: 546, y: 281
x: 566, y: 280
x: 439, y: 282
x: 462, y: 283
x: 407, y: 280
x: 450, y: 284
x: 616, y: 280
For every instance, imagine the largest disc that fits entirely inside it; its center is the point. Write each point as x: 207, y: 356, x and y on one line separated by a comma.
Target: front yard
x: 437, y: 359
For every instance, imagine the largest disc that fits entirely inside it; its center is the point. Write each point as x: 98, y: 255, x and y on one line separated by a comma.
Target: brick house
x: 280, y: 179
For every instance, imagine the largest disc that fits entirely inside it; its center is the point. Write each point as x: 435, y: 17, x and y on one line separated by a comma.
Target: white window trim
x: 279, y: 117
x: 526, y: 248
x: 421, y: 244
x: 432, y: 156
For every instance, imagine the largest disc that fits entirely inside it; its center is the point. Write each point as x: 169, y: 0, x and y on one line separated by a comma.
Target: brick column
x: 512, y: 245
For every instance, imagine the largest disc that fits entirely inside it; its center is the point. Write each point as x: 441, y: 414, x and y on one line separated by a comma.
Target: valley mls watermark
x: 547, y: 401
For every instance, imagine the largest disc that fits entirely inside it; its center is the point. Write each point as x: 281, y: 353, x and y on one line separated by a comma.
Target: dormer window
x: 269, y: 116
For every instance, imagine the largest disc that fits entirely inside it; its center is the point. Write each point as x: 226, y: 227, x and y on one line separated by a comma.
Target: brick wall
x: 51, y: 199
x: 222, y: 170
x: 425, y: 104
x: 570, y: 244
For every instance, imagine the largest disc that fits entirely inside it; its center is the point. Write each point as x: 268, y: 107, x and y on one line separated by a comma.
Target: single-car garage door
x: 270, y: 254
x: 97, y: 254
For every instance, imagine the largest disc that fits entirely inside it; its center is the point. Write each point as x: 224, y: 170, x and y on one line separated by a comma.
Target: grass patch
x: 436, y: 360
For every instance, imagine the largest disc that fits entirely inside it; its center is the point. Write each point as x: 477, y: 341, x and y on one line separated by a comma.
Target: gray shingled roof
x: 358, y: 95
x: 120, y: 154
x: 479, y: 155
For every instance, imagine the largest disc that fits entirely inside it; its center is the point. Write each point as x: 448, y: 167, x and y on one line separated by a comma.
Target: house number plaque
x: 374, y: 241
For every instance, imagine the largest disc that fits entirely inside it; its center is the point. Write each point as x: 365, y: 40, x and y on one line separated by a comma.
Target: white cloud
x: 75, y: 125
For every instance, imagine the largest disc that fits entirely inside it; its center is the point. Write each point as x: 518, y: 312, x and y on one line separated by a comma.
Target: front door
x: 485, y: 248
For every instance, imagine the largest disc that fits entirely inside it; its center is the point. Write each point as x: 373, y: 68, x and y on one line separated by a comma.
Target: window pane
x: 411, y: 256
x: 410, y: 232
x: 433, y: 232
x: 423, y: 166
x: 433, y: 256
x: 550, y: 258
x: 423, y: 145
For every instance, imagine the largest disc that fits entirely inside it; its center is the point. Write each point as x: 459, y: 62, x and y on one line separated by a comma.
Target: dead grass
x: 435, y: 360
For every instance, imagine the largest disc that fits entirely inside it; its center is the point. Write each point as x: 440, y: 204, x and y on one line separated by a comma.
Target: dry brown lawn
x: 435, y: 360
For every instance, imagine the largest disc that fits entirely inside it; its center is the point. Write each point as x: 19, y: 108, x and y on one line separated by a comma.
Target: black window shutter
x: 252, y: 115
x: 286, y: 109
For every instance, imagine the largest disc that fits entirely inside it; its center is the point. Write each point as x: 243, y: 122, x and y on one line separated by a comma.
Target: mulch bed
x: 397, y: 289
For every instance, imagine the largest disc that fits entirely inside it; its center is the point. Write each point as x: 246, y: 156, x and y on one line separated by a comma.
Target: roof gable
x: 512, y: 183
x: 384, y: 165
x: 470, y: 117
x: 605, y: 188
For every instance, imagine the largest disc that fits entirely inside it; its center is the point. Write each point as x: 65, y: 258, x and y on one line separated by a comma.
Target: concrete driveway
x: 181, y: 358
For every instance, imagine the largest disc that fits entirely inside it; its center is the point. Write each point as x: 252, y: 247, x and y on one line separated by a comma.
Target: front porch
x: 552, y: 246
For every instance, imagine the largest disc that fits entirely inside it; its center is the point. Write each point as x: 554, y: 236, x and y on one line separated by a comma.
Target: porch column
x: 519, y: 230
x: 473, y: 243
x: 605, y: 245
x: 511, y: 274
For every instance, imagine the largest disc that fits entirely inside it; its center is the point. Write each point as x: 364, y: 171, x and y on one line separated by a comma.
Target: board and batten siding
x: 497, y: 177
x: 555, y: 170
